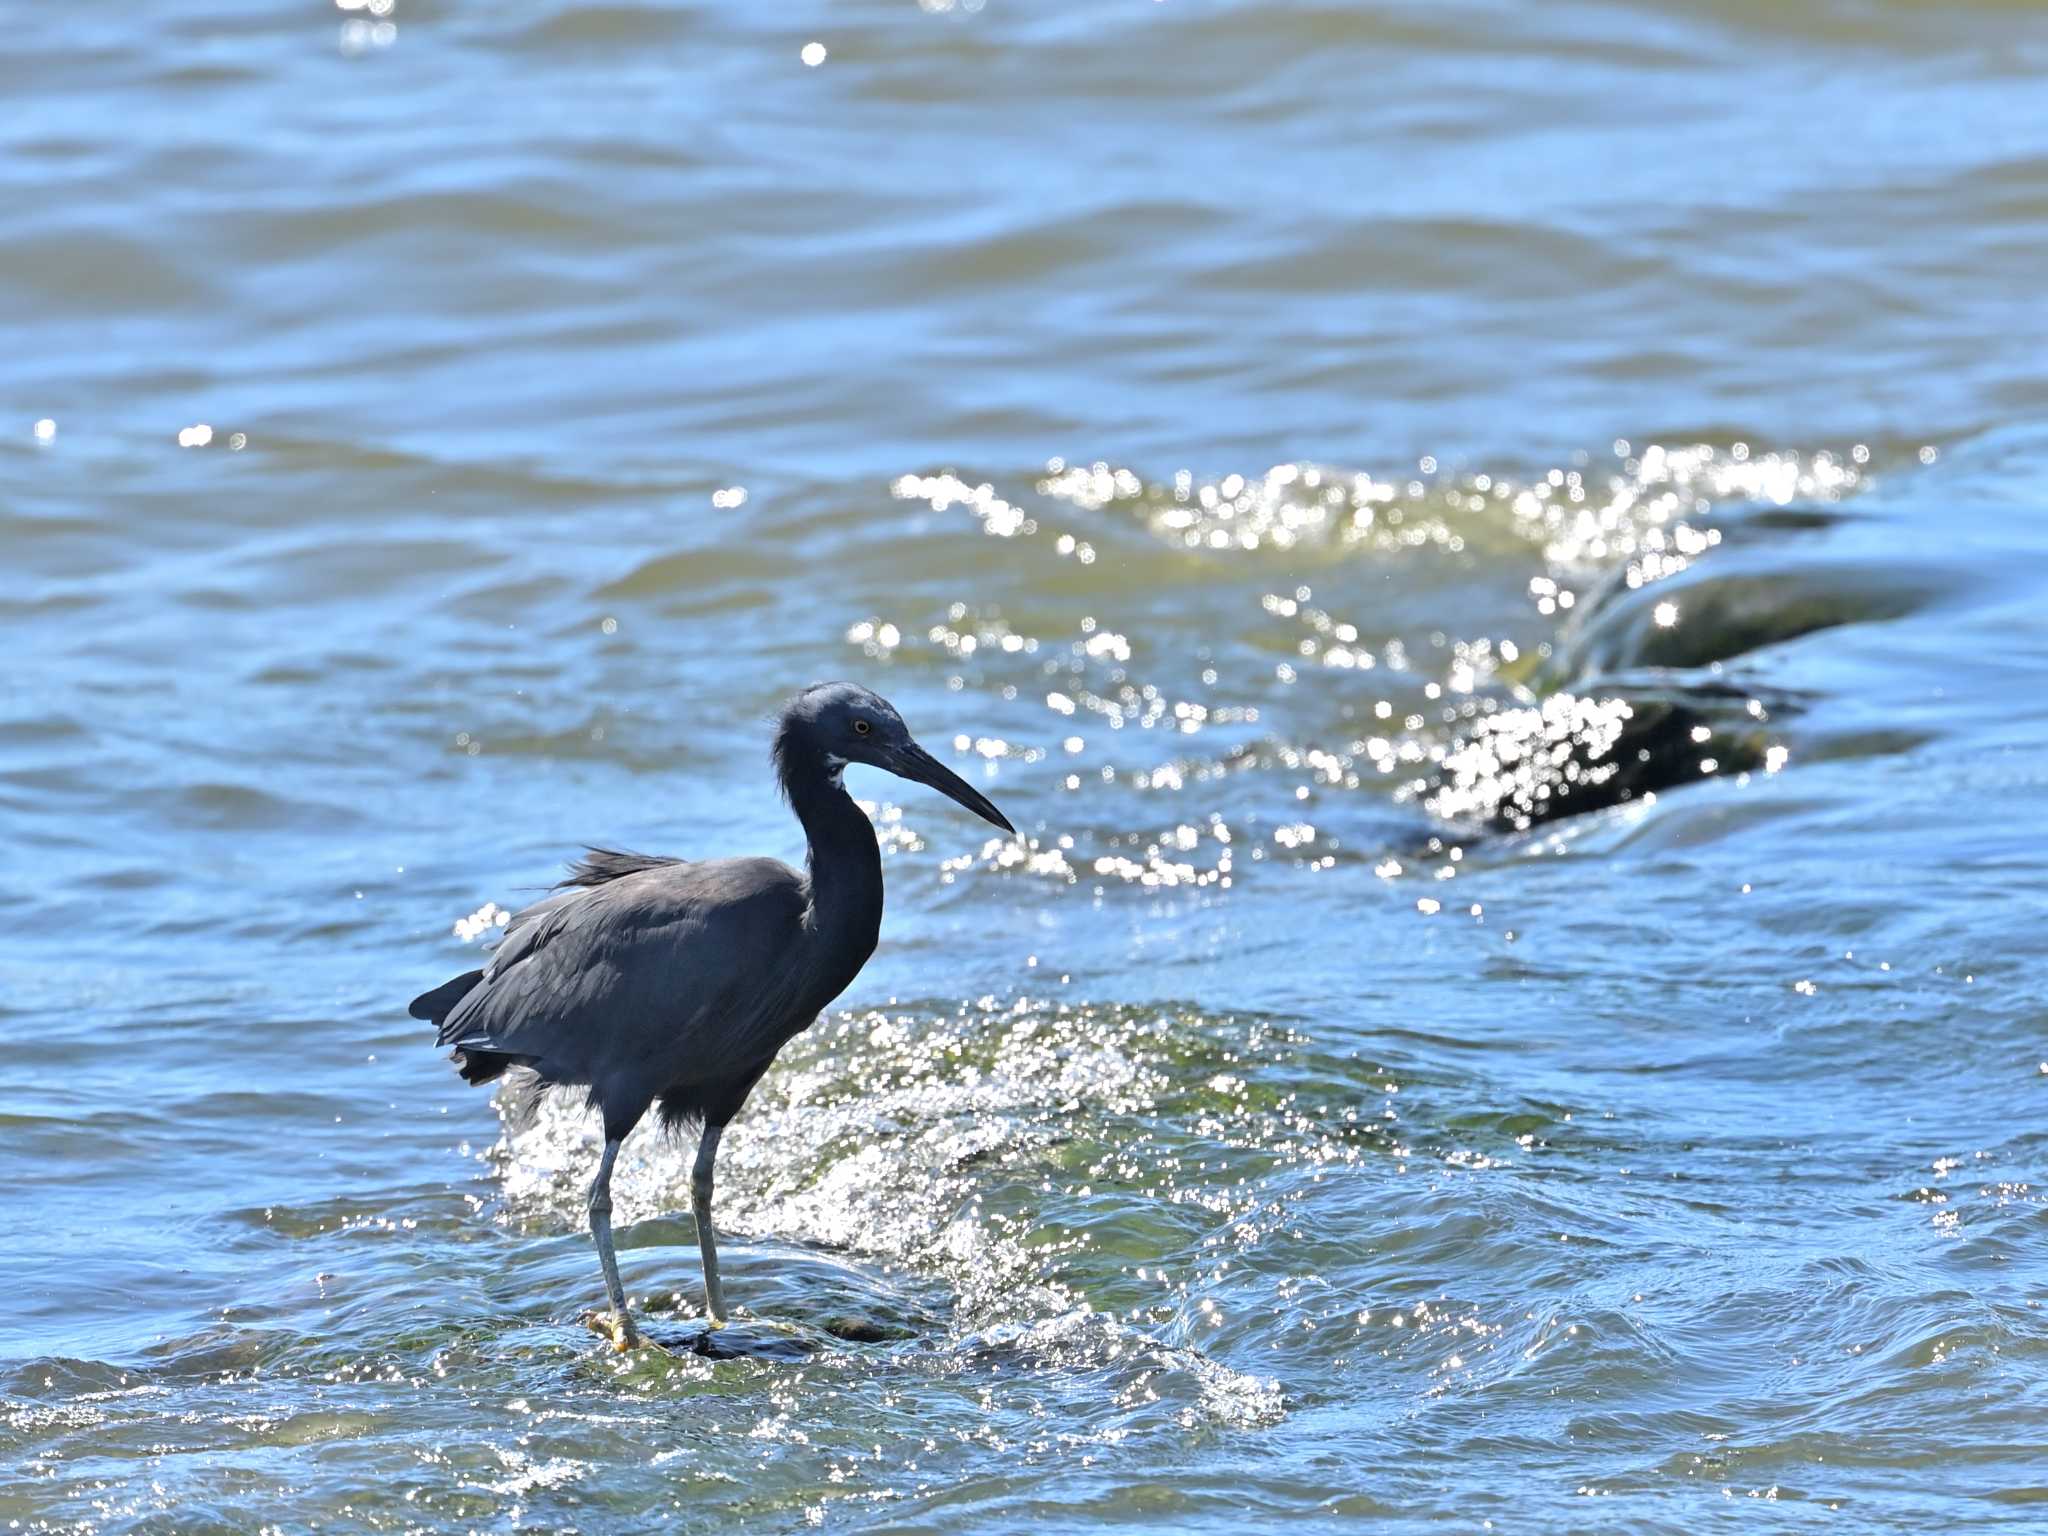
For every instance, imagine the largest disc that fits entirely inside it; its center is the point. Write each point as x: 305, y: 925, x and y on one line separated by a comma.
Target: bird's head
x: 841, y: 723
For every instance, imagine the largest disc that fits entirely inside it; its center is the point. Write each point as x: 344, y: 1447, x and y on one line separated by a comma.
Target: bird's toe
x: 615, y: 1330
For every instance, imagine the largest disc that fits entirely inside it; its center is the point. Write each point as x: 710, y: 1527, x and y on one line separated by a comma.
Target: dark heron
x: 652, y: 980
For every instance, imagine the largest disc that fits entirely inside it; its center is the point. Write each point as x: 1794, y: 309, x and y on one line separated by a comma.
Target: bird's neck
x: 845, y: 860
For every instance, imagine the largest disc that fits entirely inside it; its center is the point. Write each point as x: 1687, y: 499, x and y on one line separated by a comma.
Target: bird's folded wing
x: 634, y: 962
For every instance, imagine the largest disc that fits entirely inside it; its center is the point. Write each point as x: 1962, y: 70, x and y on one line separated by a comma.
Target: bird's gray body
x: 649, y: 980
x: 664, y: 981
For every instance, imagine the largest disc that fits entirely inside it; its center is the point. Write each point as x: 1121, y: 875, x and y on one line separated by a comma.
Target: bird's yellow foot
x: 616, y: 1329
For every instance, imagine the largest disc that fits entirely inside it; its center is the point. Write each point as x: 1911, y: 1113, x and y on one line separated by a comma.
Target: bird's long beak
x: 913, y: 762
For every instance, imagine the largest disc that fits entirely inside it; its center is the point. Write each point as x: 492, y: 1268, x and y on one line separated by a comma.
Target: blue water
x: 1206, y: 422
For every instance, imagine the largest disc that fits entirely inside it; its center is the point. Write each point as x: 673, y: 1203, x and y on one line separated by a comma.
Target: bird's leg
x: 624, y: 1335
x: 700, y: 1200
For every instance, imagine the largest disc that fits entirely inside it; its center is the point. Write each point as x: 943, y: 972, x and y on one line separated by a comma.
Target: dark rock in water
x: 1616, y: 721
x: 1776, y: 520
x: 1700, y: 617
x: 750, y: 1339
x: 865, y: 1330
x: 1577, y: 752
x: 742, y: 1341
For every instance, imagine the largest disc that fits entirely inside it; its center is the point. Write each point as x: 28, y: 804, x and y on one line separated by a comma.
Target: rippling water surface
x: 1496, y: 552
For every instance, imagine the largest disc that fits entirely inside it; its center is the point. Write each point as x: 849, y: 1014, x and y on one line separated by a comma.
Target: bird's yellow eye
x: 862, y: 726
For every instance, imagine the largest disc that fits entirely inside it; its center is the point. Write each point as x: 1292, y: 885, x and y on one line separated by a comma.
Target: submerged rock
x: 742, y: 1341
x: 1698, y: 618
x: 1633, y: 701
x: 854, y: 1328
x: 1577, y: 752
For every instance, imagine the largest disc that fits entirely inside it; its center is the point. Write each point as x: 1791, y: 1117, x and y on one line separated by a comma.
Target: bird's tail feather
x: 477, y: 1066
x: 436, y: 1005
x: 473, y: 1057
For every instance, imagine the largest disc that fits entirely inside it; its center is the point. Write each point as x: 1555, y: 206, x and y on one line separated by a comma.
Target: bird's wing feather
x: 642, y: 972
